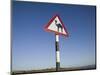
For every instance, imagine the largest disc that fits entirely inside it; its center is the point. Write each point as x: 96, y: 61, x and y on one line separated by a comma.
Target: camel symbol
x: 59, y: 26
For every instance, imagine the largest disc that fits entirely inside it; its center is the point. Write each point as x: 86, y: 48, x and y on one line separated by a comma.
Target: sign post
x: 56, y: 25
x: 57, y: 53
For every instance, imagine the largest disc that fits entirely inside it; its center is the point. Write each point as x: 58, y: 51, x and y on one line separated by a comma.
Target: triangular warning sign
x: 56, y: 25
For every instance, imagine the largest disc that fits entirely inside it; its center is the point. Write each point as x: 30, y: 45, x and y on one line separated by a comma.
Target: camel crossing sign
x: 56, y: 25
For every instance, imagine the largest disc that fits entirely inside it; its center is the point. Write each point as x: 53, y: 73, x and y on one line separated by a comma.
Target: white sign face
x: 56, y: 25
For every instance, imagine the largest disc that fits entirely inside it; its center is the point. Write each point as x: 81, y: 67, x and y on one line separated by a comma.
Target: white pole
x: 57, y: 53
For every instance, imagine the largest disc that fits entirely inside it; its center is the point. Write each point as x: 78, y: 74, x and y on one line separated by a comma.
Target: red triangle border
x: 48, y: 30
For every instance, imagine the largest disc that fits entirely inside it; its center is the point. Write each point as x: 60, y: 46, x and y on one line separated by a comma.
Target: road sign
x: 56, y: 25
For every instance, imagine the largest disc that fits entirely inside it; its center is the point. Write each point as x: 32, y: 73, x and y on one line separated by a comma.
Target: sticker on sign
x: 56, y: 25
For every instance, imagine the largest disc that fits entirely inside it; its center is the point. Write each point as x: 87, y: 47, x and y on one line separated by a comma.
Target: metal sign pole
x: 57, y: 52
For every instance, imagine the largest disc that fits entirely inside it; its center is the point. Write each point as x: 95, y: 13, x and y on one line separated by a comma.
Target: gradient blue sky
x: 33, y: 48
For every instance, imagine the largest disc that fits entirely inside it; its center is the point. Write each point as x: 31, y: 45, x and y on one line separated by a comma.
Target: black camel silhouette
x: 59, y: 26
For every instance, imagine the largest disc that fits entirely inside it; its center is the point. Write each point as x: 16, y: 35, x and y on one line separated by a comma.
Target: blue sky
x: 33, y: 48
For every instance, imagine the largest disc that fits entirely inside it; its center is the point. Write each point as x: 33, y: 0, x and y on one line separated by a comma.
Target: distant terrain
x: 89, y: 67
